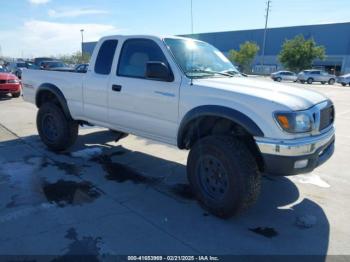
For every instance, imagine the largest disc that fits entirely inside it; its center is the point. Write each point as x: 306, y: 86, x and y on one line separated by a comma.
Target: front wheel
x: 278, y: 79
x: 310, y: 81
x: 16, y: 95
x: 331, y: 81
x: 223, y: 175
x: 343, y: 84
x: 56, y: 131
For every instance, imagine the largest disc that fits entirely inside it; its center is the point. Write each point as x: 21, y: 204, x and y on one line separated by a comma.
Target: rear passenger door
x: 147, y: 107
x: 316, y: 75
x: 95, y: 91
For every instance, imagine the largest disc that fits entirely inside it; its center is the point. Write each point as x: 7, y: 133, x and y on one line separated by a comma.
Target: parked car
x: 39, y: 60
x: 81, y: 68
x: 284, y: 76
x: 17, y: 68
x: 313, y: 75
x: 344, y: 80
x: 178, y: 91
x: 9, y: 83
x: 55, y: 65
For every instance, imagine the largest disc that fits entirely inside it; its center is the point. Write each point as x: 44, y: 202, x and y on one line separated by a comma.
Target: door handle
x: 116, y: 88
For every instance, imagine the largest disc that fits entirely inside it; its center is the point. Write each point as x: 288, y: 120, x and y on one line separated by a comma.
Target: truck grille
x: 327, y: 117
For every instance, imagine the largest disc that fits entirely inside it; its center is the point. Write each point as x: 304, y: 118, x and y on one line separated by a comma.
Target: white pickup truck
x: 186, y: 93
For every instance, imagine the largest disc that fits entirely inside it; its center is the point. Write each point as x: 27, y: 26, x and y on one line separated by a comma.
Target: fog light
x: 301, y: 164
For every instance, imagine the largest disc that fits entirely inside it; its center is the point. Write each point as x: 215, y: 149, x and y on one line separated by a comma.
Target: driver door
x: 146, y: 107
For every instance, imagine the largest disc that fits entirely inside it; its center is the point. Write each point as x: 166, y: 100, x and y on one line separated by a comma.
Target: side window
x: 105, y: 57
x: 135, y: 55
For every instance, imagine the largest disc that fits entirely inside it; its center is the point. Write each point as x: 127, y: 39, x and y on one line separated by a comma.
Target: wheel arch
x: 222, y: 112
x: 209, y: 120
x: 50, y: 92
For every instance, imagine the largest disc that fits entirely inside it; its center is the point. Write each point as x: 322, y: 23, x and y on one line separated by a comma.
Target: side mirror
x: 158, y: 71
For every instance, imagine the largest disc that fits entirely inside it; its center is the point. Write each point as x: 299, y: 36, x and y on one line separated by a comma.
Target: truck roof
x: 159, y: 37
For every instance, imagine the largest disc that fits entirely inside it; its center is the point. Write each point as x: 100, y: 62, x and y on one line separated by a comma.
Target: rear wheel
x: 223, y: 175
x: 323, y: 82
x: 56, y: 131
x: 310, y: 81
x: 331, y: 81
x: 343, y: 84
x: 16, y: 95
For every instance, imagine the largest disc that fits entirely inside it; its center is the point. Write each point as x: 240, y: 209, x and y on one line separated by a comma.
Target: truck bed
x: 70, y: 83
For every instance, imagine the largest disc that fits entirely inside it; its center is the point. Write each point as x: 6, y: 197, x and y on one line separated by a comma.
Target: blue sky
x: 50, y: 27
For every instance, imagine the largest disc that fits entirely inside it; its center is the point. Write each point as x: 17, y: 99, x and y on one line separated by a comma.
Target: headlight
x: 295, y: 122
x: 13, y: 81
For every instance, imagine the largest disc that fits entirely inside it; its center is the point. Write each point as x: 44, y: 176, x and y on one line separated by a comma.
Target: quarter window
x: 135, y: 55
x: 105, y: 57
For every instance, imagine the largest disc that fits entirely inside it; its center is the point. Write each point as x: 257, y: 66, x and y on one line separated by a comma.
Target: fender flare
x: 57, y: 93
x: 220, y: 111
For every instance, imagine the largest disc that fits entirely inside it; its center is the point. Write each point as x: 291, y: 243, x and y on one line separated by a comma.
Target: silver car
x: 284, y: 76
x: 314, y: 75
x: 344, y: 80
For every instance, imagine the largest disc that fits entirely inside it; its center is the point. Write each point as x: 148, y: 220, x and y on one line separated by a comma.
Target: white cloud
x: 38, y: 2
x: 75, y: 13
x: 42, y: 38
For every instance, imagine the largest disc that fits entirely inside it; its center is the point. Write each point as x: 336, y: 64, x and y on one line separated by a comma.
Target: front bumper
x: 291, y: 157
x: 10, y: 88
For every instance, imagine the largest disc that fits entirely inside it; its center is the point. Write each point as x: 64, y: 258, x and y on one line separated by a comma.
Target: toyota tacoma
x: 186, y: 93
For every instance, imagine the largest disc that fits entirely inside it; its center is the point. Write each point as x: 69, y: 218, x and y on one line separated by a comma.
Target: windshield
x: 198, y: 59
x: 32, y: 66
x: 55, y: 64
x: 21, y: 65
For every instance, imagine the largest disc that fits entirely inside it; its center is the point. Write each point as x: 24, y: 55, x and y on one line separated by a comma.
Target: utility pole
x: 265, y: 31
x: 82, y: 41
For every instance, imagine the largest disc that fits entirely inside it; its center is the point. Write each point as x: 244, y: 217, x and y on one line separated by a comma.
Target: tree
x: 298, y: 53
x: 75, y: 58
x: 245, y: 56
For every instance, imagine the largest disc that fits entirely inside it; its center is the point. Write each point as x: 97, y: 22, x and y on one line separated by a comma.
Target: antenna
x: 265, y: 31
x: 192, y: 17
x: 192, y: 30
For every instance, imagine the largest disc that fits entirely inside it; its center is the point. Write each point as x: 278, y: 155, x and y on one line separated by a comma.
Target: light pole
x: 265, y: 31
x: 82, y: 41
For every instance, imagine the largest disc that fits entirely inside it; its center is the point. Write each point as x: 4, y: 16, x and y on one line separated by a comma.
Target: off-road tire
x: 55, y: 129
x: 239, y: 165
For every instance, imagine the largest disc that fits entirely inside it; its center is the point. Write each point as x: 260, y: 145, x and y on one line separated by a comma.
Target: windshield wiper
x: 209, y: 72
x: 231, y: 72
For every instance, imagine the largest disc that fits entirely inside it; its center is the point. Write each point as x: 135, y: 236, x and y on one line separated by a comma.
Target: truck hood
x: 295, y: 98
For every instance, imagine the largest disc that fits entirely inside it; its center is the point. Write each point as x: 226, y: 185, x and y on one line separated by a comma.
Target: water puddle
x: 87, y: 247
x: 65, y: 193
x: 68, y: 168
x: 265, y: 231
x: 121, y: 173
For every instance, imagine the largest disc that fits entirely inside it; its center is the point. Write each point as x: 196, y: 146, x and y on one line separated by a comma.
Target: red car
x: 9, y: 84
